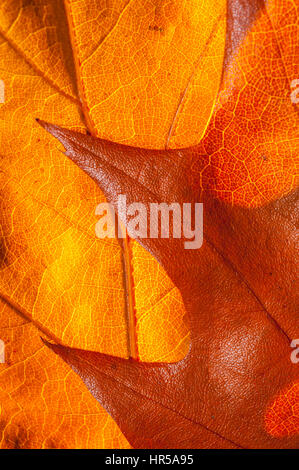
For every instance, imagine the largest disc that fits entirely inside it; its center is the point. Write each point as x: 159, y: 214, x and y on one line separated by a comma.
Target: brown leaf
x: 238, y: 290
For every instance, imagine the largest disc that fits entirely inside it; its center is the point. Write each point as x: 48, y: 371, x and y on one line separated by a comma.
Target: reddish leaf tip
x: 49, y: 345
x: 56, y: 131
x: 64, y: 352
x: 47, y: 125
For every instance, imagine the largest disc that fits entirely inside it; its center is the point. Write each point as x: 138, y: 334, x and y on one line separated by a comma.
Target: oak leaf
x: 238, y: 290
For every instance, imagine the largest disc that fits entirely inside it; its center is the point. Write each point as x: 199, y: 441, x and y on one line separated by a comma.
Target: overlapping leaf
x: 143, y: 79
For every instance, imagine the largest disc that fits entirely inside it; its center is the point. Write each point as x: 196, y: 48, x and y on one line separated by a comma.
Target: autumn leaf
x: 239, y: 297
x: 144, y: 74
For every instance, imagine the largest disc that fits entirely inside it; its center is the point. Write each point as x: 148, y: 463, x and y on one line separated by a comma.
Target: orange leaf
x: 43, y: 403
x: 148, y: 74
